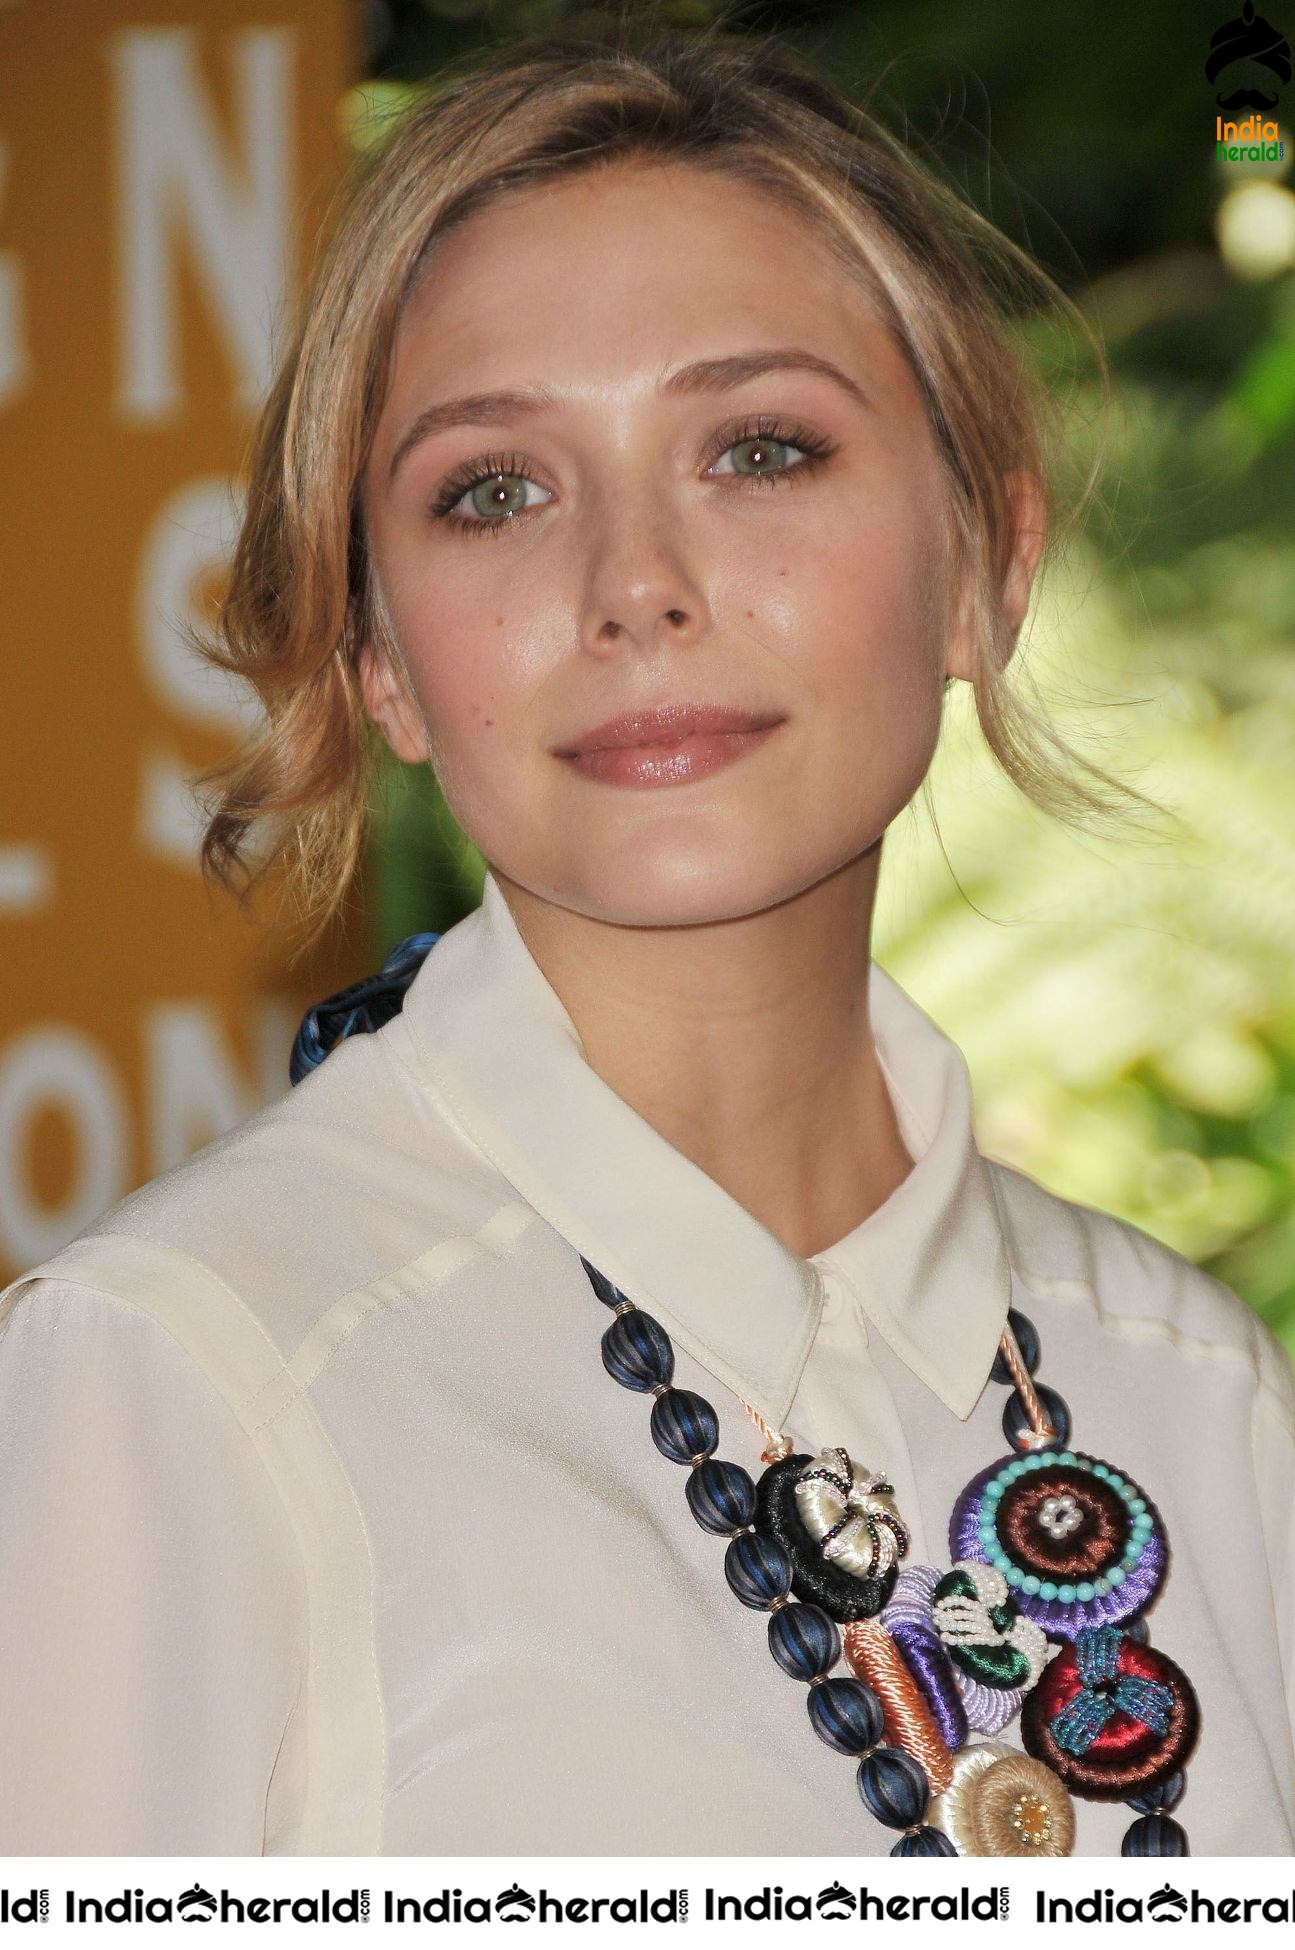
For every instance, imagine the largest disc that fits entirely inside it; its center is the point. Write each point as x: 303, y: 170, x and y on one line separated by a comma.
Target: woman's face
x: 728, y: 494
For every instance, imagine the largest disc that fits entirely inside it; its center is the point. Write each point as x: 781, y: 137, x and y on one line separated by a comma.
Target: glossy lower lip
x: 667, y: 761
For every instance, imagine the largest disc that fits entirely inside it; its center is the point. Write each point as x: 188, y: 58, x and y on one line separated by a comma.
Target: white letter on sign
x: 172, y: 175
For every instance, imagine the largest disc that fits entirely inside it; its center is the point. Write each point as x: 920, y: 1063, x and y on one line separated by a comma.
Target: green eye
x: 487, y: 493
x: 758, y: 452
x: 499, y: 494
x: 762, y: 454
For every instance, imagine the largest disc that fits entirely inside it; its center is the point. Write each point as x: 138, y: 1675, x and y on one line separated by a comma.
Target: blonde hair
x: 302, y: 600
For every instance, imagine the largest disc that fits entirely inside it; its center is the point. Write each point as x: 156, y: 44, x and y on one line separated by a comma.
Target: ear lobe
x: 391, y: 709
x: 961, y: 656
x: 1030, y: 520
x: 1029, y: 526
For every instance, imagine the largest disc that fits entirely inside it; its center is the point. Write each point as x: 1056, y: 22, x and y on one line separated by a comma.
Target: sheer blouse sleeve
x: 152, y: 1599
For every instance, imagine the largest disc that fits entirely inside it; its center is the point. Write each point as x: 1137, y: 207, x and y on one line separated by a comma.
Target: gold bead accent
x: 624, y: 1307
x: 1032, y: 1820
x: 1018, y: 1806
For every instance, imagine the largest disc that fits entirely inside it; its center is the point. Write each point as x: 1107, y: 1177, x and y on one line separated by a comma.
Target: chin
x: 681, y: 889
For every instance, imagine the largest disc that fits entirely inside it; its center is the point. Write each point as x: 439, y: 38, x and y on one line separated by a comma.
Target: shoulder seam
x: 1152, y: 1327
x: 346, y: 1716
x: 408, y: 1282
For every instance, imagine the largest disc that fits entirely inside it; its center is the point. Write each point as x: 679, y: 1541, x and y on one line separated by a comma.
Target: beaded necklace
x: 1046, y: 1544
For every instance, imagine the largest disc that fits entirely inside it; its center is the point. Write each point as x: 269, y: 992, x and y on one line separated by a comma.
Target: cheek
x: 848, y: 611
x: 460, y: 661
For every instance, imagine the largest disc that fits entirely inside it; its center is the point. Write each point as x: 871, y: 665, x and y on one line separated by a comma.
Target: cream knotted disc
x: 1003, y: 1802
x: 849, y: 1513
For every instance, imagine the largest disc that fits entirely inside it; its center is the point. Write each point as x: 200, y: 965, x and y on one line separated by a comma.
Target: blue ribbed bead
x: 927, y: 1841
x: 894, y: 1787
x: 1016, y: 1422
x: 758, y: 1570
x: 721, y: 1496
x: 1027, y: 1340
x: 684, y: 1425
x: 1155, y: 1835
x: 804, y: 1640
x: 611, y: 1296
x: 1136, y: 1629
x: 845, y: 1713
x: 1159, y: 1800
x: 637, y: 1352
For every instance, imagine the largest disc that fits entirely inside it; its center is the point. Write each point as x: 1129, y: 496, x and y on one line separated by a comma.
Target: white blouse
x: 324, y: 1531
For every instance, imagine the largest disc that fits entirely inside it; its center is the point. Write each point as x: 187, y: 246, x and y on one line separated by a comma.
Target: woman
x: 650, y: 459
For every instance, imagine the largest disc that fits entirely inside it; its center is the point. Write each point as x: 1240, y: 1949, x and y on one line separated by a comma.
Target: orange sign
x: 162, y: 175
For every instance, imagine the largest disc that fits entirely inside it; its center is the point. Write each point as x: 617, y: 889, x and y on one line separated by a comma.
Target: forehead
x: 611, y: 276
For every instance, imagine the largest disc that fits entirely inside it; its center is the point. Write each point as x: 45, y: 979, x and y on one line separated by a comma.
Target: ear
x: 388, y: 703
x: 1029, y: 524
x: 1030, y: 520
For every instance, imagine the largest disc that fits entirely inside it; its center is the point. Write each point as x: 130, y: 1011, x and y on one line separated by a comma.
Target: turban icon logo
x: 1166, y: 1905
x: 197, y: 1905
x: 1245, y: 53
x: 836, y: 1902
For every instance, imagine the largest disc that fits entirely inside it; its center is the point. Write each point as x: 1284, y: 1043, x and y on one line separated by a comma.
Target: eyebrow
x: 702, y: 376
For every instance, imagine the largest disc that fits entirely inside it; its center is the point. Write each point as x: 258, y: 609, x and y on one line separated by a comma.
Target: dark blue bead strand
x: 924, y: 1841
x: 637, y: 1352
x: 1155, y: 1835
x: 611, y: 1296
x: 684, y: 1425
x: 804, y: 1640
x: 758, y: 1570
x: 894, y: 1786
x: 721, y: 1496
x: 846, y: 1714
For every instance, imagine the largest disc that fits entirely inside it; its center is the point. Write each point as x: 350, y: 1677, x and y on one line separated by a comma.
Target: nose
x: 643, y: 589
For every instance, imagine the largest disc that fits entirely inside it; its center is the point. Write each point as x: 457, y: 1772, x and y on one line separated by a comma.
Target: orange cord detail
x: 1043, y: 1431
x: 775, y: 1446
x: 874, y: 1657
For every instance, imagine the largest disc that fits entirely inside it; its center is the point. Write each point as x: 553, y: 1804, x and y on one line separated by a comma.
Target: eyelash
x: 472, y: 473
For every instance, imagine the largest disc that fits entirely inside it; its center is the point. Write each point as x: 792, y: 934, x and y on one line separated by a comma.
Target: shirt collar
x: 487, y: 1035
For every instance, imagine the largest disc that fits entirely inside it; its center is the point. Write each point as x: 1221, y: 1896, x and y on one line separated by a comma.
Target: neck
x: 746, y: 1043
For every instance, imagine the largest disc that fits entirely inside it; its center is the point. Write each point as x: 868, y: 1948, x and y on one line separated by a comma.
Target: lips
x: 666, y: 724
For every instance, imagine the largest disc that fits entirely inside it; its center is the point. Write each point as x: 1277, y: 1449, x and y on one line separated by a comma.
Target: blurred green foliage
x: 1126, y: 1002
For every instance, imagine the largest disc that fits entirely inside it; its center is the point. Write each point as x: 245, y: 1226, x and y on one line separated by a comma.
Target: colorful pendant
x: 1077, y: 1541
x: 839, y: 1527
x: 1111, y: 1717
x: 1048, y: 1543
x: 1000, y: 1802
